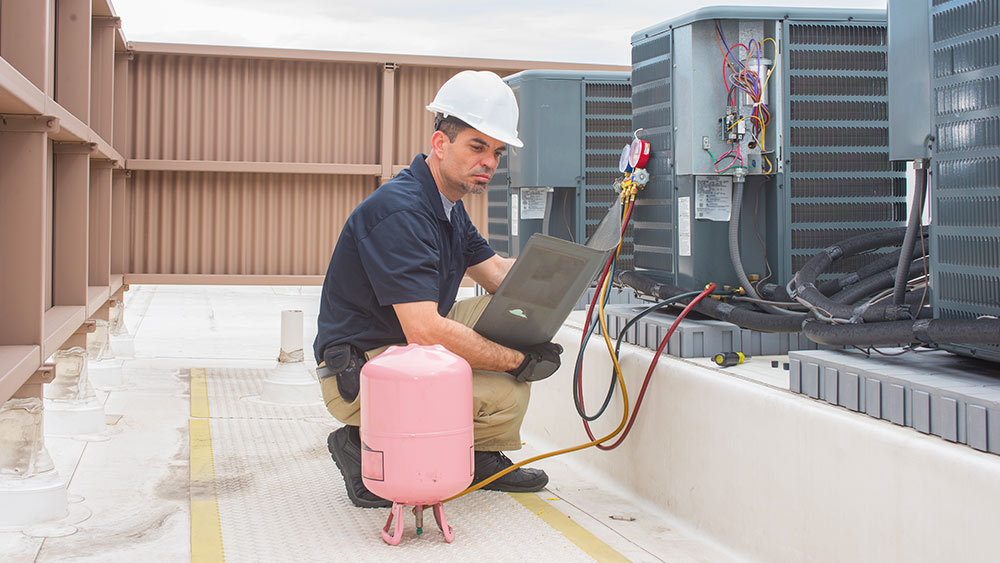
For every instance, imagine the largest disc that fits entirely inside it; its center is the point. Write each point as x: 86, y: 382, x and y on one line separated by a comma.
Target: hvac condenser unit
x: 965, y: 185
x: 792, y: 103
x: 574, y: 125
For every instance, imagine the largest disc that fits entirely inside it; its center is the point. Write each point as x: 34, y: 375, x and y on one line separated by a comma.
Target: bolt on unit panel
x: 561, y: 183
x: 799, y: 127
x: 965, y: 195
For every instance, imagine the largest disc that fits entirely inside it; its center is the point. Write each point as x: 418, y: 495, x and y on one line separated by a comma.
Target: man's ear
x: 439, y: 141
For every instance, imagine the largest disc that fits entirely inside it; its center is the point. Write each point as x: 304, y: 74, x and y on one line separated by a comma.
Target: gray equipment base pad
x: 934, y: 392
x: 699, y: 338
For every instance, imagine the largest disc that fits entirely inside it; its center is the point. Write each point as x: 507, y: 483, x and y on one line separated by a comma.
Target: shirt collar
x: 434, y: 197
x: 447, y: 204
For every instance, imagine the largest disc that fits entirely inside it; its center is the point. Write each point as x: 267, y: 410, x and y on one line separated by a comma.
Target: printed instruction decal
x: 533, y: 202
x: 684, y: 226
x: 514, y: 209
x: 713, y: 197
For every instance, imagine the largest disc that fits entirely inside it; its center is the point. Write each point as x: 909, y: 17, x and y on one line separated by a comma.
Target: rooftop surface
x: 137, y: 490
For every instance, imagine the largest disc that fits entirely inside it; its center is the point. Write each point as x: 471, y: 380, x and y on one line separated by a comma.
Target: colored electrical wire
x: 741, y: 76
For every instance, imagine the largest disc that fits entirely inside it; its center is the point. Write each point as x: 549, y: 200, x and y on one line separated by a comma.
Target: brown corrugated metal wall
x: 221, y: 223
x: 211, y: 108
x: 247, y: 162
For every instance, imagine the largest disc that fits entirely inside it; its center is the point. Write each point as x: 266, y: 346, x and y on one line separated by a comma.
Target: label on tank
x: 713, y: 197
x: 372, y: 463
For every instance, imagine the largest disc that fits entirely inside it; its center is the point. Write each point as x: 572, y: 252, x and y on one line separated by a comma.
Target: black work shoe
x: 521, y: 480
x: 345, y: 448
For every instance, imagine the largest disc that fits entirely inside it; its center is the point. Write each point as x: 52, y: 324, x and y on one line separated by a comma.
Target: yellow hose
x: 621, y: 383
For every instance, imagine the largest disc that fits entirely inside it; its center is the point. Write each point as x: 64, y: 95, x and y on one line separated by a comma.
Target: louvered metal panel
x: 607, y: 119
x: 838, y: 180
x: 498, y: 210
x: 653, y: 215
x: 574, y: 126
x: 965, y: 199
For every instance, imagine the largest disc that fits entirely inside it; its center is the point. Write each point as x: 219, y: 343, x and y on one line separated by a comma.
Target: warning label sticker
x: 514, y: 209
x: 533, y: 203
x: 713, y: 197
x: 684, y: 226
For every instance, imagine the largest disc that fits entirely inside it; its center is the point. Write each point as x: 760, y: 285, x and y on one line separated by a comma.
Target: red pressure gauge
x: 640, y: 153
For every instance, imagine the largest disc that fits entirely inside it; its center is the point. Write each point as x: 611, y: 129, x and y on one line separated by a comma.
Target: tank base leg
x: 449, y: 534
x: 397, y: 534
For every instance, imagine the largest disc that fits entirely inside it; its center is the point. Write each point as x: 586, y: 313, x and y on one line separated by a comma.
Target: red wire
x: 649, y: 373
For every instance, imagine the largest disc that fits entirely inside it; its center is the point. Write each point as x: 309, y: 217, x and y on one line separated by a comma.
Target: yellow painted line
x: 574, y: 532
x: 206, y: 528
x: 199, y: 393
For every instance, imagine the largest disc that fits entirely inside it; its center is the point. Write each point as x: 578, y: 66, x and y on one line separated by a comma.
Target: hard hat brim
x: 498, y: 135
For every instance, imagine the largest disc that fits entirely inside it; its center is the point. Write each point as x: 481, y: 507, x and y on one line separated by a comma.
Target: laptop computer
x: 544, y: 284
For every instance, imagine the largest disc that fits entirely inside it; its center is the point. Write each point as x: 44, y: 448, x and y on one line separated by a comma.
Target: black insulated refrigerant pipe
x: 803, y: 285
x: 745, y: 318
x: 912, y: 228
x: 830, y: 287
x: 739, y: 316
x: 872, y: 284
x: 895, y: 333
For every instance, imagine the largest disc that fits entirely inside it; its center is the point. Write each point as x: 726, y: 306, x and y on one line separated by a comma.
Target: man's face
x: 468, y: 163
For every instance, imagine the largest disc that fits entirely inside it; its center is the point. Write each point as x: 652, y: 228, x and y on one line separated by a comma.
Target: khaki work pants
x: 498, y: 400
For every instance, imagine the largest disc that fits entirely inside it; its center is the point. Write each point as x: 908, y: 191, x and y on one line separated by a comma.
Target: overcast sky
x: 571, y: 31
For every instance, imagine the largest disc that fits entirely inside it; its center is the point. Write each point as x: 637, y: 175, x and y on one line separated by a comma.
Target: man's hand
x: 540, y: 361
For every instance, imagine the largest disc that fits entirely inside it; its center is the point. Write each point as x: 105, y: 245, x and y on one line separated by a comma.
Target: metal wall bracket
x: 44, y: 374
x: 17, y: 123
x: 107, y: 21
x: 71, y: 147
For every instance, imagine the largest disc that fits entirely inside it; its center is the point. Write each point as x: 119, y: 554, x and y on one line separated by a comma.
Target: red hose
x: 649, y: 373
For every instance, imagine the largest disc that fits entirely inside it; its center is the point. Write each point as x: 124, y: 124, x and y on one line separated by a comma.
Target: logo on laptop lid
x: 518, y: 313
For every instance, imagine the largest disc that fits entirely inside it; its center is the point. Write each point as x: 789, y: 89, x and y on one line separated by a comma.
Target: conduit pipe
x: 912, y: 228
x: 734, y: 250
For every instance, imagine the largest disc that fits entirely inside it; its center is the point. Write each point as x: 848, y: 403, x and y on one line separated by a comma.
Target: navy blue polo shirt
x: 398, y: 246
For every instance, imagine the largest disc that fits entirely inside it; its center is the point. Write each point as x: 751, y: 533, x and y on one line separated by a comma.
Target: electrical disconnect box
x: 965, y: 182
x: 789, y: 107
x: 574, y: 125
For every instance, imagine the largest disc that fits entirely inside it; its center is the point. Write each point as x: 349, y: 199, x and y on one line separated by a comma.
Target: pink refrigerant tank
x: 416, y: 431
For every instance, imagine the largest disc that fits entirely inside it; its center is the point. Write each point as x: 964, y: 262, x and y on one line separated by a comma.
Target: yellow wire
x: 621, y: 384
x: 757, y: 117
x: 763, y: 129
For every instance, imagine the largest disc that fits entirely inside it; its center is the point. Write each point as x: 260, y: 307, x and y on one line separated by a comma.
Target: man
x: 395, y: 273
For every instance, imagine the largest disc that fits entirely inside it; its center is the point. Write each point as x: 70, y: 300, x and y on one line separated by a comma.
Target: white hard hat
x: 483, y: 100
